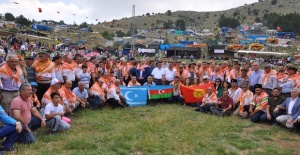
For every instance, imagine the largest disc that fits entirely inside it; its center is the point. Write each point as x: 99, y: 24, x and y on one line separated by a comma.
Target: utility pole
x: 133, y: 28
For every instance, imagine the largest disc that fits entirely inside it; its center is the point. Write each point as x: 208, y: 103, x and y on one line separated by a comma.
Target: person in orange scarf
x: 225, y: 69
x: 105, y: 78
x: 217, y: 74
x: 55, y: 85
x: 114, y: 97
x: 57, y: 60
x: 258, y: 104
x: 92, y: 68
x: 236, y: 72
x: 34, y: 99
x: 44, y: 70
x: 68, y: 69
x: 291, y: 82
x: 268, y: 79
x: 244, y: 99
x: 11, y: 77
x: 133, y: 82
x: 69, y: 97
x: 281, y: 77
x: 97, y: 89
x: 208, y: 100
x: 182, y: 74
x: 204, y: 71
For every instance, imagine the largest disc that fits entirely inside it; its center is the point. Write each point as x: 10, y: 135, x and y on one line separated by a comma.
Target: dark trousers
x: 157, y: 81
x: 219, y: 111
x: 205, y: 108
x: 286, y: 95
x: 113, y: 103
x: 26, y: 137
x: 268, y: 91
x: 264, y: 117
x: 175, y: 98
x: 11, y: 134
x: 256, y: 117
x: 42, y: 88
x: 74, y: 84
x: 297, y: 125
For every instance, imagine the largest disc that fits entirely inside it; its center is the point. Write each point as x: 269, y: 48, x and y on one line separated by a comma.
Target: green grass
x: 160, y: 129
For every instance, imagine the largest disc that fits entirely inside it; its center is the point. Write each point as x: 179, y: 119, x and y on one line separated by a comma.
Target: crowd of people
x: 43, y: 91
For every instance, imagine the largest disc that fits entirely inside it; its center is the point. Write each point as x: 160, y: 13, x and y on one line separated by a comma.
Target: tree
x: 107, y: 35
x: 23, y: 21
x: 169, y: 13
x: 9, y: 17
x: 180, y: 24
x: 257, y: 19
x: 167, y: 24
x: 228, y: 22
x: 274, y: 2
x: 83, y: 25
x: 147, y: 14
x: 120, y: 34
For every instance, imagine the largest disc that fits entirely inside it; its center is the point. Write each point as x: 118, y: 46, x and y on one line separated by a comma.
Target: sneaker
x: 197, y: 110
x: 53, y: 132
x: 8, y: 150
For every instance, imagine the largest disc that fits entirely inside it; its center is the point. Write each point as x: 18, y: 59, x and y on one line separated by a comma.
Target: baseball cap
x: 54, y: 81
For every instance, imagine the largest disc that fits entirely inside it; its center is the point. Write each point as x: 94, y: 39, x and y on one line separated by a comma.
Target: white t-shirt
x: 170, y: 74
x: 85, y: 78
x: 50, y: 108
x: 158, y: 73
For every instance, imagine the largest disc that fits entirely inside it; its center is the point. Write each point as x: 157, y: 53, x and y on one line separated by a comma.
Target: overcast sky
x: 90, y: 10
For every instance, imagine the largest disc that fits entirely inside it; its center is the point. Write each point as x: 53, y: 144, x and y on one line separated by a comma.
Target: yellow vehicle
x: 256, y: 47
x: 235, y: 47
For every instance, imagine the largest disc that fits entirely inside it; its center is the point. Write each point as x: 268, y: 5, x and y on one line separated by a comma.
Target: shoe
x: 197, y: 110
x: 8, y: 150
x: 53, y: 132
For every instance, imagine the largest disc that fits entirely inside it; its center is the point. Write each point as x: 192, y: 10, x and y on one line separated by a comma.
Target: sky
x: 107, y: 10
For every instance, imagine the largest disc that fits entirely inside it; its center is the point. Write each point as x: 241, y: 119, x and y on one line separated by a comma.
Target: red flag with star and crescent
x: 194, y: 94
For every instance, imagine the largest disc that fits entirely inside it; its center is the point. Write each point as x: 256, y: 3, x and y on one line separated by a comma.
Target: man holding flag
x: 177, y: 96
x: 114, y: 98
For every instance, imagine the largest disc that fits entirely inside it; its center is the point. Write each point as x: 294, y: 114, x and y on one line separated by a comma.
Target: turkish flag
x: 40, y: 10
x: 195, y: 94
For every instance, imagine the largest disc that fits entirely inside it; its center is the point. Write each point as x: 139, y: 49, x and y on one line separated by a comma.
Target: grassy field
x: 162, y: 129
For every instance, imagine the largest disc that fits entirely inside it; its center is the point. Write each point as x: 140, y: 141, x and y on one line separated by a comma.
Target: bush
x: 274, y: 2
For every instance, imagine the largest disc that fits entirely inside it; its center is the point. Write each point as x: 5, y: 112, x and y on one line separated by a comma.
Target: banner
x: 157, y: 92
x: 143, y: 50
x: 135, y: 96
x: 195, y: 93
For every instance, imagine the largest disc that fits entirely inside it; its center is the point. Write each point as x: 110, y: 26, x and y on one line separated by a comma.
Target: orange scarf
x: 266, y: 76
x: 68, y: 66
x: 133, y: 84
x: 210, y: 99
x: 242, y: 97
x: 47, y: 98
x: 34, y: 98
x: 112, y: 86
x: 260, y: 101
x: 202, y: 71
x: 106, y: 80
x: 68, y: 94
x: 96, y: 89
x: 41, y: 68
x: 142, y: 67
x: 294, y: 78
x: 5, y: 71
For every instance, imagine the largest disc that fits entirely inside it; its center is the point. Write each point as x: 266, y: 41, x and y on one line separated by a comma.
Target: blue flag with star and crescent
x: 135, y: 96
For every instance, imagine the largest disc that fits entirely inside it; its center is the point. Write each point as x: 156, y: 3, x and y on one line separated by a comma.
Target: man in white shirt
x: 81, y: 92
x: 114, y: 97
x: 170, y: 73
x: 292, y: 107
x: 23, y: 48
x: 158, y: 73
x: 235, y: 90
x: 244, y: 99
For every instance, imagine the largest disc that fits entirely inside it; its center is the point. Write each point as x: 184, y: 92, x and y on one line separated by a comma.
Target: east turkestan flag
x: 135, y: 96
x: 157, y: 92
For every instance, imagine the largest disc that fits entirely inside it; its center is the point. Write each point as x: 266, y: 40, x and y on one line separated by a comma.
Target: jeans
x: 11, y: 134
x: 205, y: 108
x: 256, y: 117
x: 219, y: 111
x: 26, y: 137
x: 57, y: 124
x: 264, y: 118
x: 175, y: 98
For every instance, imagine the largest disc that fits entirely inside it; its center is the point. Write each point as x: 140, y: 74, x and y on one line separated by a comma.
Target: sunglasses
x: 217, y: 81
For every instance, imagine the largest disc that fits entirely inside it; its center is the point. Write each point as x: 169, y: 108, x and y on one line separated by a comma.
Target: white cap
x: 205, y: 77
x: 54, y: 81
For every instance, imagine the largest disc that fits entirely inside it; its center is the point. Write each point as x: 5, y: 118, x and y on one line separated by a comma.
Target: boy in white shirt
x: 85, y: 77
x: 53, y: 114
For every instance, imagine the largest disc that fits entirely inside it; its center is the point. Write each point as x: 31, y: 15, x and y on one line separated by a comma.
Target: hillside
x: 201, y: 20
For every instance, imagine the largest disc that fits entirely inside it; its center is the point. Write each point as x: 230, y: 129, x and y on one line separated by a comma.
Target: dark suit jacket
x: 145, y: 74
x: 296, y: 107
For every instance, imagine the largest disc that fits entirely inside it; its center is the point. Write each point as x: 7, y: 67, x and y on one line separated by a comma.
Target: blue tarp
x: 290, y: 35
x: 40, y: 27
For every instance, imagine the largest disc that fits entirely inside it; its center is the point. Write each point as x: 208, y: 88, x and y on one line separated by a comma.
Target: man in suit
x: 292, y: 107
x: 142, y: 74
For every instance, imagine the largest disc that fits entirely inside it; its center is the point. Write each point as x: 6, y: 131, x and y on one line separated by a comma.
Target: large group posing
x: 42, y: 91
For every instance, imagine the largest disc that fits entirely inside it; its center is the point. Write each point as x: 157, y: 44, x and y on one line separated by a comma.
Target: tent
x: 261, y: 53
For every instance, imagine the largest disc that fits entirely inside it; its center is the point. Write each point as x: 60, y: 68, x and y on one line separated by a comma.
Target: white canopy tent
x: 262, y: 53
